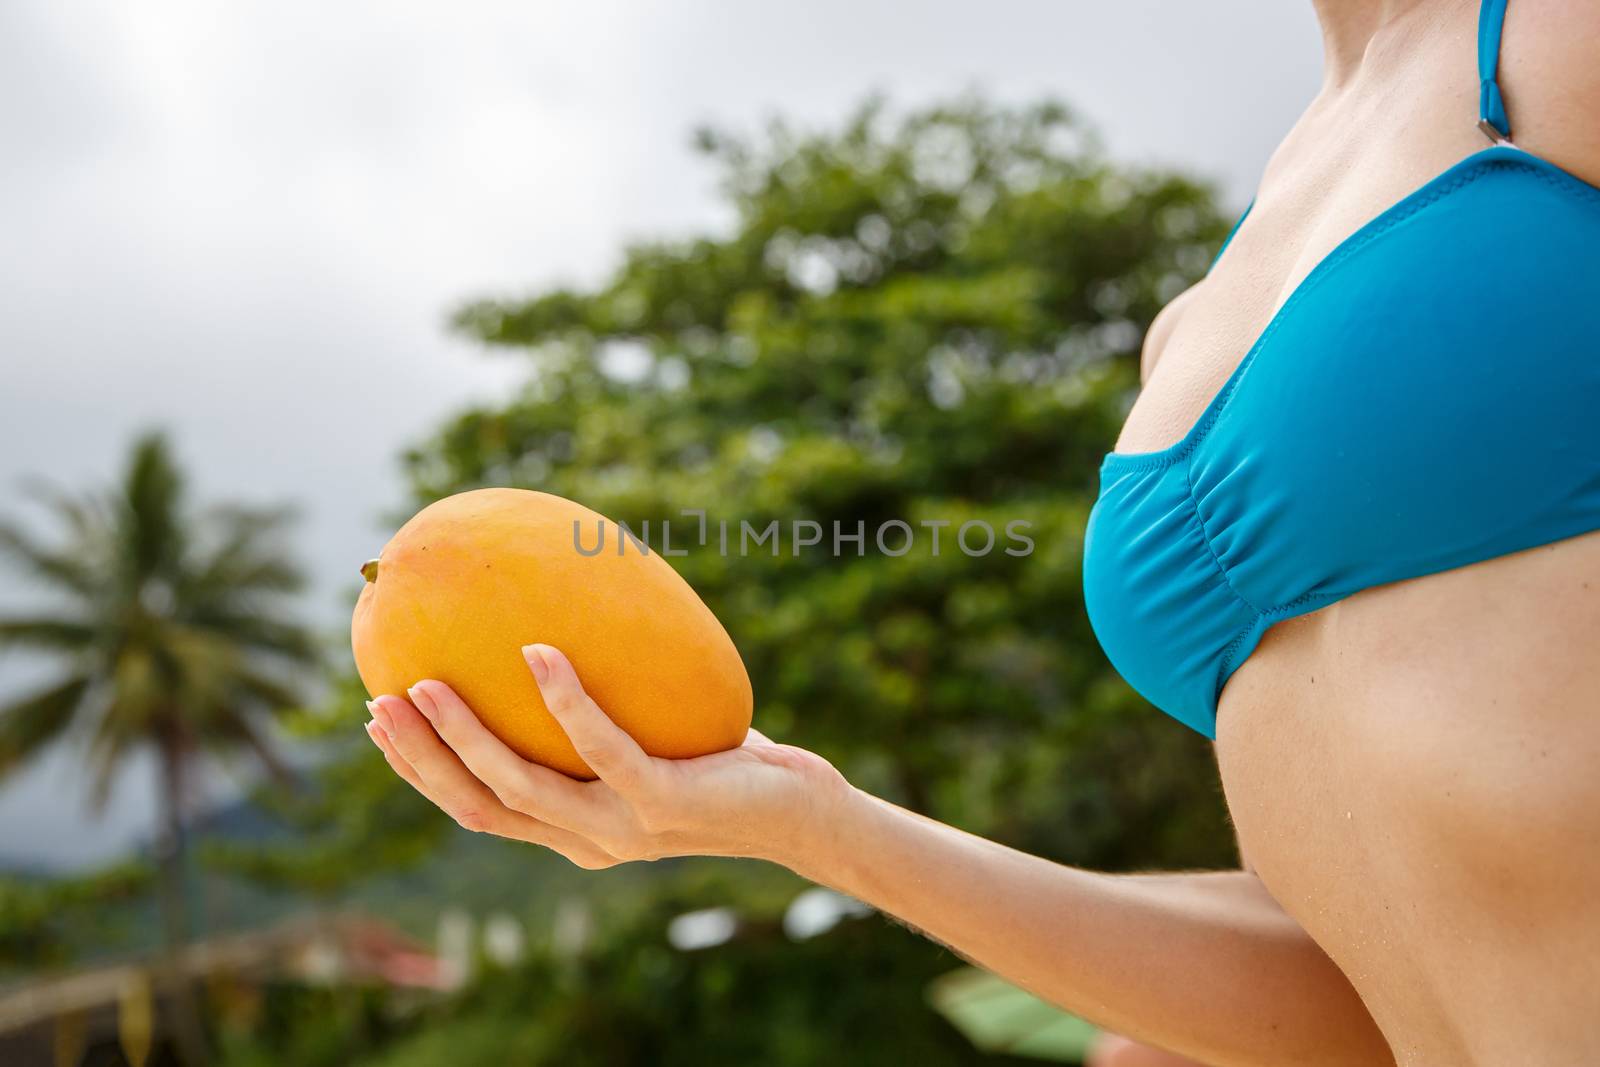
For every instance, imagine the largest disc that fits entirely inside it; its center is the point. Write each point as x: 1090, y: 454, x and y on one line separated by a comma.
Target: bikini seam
x: 1321, y: 271
x: 1205, y: 537
x: 1233, y: 646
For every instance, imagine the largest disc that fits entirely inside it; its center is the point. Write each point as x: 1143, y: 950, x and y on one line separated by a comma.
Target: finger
x: 522, y: 786
x: 604, y: 746
x: 380, y: 716
x: 752, y: 736
x: 397, y: 763
x: 445, y: 780
x: 483, y: 817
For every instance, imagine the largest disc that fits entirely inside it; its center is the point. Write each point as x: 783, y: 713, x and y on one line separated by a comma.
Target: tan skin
x: 1411, y: 770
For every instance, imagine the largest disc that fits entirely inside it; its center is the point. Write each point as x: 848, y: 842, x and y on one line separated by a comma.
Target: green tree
x: 43, y: 921
x: 854, y: 994
x: 173, y: 634
x: 931, y: 318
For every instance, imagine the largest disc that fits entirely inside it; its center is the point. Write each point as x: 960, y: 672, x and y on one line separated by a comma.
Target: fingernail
x: 380, y: 715
x: 424, y: 703
x: 372, y: 731
x: 534, y: 654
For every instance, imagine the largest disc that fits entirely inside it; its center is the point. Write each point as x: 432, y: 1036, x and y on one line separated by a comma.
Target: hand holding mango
x: 471, y: 579
x: 472, y: 611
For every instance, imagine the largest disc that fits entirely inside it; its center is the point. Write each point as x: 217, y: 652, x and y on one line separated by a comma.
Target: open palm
x: 640, y: 808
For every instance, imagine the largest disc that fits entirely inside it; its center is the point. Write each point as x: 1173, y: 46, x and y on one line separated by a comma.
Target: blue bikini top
x: 1428, y: 397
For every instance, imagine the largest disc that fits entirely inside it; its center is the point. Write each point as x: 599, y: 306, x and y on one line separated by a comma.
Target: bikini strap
x: 1492, y: 117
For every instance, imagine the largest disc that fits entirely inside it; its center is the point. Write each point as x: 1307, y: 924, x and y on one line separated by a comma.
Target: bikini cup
x: 1310, y: 475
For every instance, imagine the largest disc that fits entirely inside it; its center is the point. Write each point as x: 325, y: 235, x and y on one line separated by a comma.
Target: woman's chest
x: 1368, y: 435
x: 1332, y: 178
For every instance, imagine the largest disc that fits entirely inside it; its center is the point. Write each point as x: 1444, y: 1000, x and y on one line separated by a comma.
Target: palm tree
x: 172, y: 632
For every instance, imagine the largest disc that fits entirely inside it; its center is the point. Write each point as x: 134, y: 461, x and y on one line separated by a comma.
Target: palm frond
x: 67, y: 568
x: 151, y: 528
x: 243, y: 554
x: 106, y: 755
x: 257, y: 633
x: 240, y: 730
x: 270, y: 694
x: 58, y: 635
x: 261, y: 520
x: 31, y: 723
x: 85, y: 515
x: 140, y: 684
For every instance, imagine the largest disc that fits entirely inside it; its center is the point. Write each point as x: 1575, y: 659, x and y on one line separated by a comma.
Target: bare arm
x: 1203, y: 964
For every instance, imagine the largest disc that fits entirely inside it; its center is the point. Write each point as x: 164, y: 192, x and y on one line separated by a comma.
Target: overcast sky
x: 246, y: 222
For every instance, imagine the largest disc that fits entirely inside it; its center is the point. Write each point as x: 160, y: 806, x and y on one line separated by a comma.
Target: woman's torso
x: 1439, y: 837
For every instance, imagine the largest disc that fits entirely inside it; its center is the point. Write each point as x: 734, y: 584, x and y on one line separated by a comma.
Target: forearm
x: 1203, y: 964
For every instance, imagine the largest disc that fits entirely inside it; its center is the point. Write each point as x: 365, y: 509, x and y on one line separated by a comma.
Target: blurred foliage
x: 170, y: 628
x: 44, y: 922
x: 346, y: 823
x: 170, y: 624
x: 308, y: 1026
x: 930, y: 316
x: 933, y: 316
x: 853, y: 995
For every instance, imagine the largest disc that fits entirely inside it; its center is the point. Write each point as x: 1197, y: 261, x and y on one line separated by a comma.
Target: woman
x: 1347, y: 531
